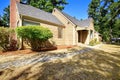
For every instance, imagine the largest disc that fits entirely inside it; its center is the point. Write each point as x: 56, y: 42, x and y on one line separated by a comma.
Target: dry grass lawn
x: 102, y: 64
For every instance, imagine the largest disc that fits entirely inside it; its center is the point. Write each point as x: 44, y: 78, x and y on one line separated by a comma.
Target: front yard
x: 102, y: 63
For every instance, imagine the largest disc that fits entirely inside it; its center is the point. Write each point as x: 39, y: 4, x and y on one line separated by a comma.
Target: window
x: 27, y: 22
x: 59, y: 32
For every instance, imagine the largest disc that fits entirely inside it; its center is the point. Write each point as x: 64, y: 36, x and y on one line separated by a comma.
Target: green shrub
x: 6, y: 43
x: 34, y: 35
x: 94, y: 42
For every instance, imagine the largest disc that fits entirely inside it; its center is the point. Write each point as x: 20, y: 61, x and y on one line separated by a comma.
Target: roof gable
x: 80, y: 23
x: 83, y: 23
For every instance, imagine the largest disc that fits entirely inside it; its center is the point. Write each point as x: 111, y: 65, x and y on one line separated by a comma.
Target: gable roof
x: 80, y: 23
x: 28, y: 10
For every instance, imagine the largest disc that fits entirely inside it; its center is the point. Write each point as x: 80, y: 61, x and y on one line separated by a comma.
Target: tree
x: 1, y: 21
x: 6, y: 16
x: 105, y: 14
x: 4, y: 20
x: 116, y: 28
x: 46, y: 5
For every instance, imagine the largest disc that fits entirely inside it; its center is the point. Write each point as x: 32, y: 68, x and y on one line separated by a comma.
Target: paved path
x: 38, y: 58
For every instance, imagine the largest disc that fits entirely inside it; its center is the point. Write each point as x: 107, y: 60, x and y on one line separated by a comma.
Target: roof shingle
x: 37, y: 13
x: 80, y: 23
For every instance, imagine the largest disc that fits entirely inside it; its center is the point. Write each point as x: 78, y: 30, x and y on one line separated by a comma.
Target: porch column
x: 93, y: 34
x: 88, y: 38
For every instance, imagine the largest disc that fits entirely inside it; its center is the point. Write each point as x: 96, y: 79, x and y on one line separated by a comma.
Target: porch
x: 84, y: 36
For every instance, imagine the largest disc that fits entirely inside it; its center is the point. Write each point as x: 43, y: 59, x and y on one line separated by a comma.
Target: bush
x: 5, y: 43
x: 13, y: 45
x: 36, y: 36
x: 93, y: 42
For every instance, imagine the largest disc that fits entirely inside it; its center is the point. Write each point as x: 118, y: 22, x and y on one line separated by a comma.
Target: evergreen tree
x: 106, y: 15
x: 1, y: 21
x: 46, y: 5
x: 4, y: 20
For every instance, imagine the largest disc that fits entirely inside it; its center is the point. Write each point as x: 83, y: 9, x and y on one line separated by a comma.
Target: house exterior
x: 66, y: 29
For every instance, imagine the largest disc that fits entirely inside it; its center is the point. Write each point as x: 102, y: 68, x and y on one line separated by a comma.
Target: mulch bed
x: 29, y: 51
x: 65, y: 47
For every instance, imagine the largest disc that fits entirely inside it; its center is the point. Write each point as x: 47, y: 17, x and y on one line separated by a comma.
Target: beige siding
x: 91, y: 26
x: 88, y: 38
x: 69, y: 28
x: 19, y: 21
x: 54, y: 30
x: 69, y: 33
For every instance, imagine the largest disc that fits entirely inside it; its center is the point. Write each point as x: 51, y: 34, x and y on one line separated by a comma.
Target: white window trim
x: 31, y: 21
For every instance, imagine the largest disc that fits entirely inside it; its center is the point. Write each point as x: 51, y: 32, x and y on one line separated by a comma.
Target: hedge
x: 34, y: 35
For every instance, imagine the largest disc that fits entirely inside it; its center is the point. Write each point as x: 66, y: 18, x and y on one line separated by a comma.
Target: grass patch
x: 93, y: 65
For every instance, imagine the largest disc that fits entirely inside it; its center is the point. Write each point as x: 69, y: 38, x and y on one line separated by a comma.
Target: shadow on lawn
x: 97, y: 65
x: 93, y: 65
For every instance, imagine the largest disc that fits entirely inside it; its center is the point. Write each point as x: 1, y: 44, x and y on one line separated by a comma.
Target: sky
x: 75, y: 8
x: 3, y: 4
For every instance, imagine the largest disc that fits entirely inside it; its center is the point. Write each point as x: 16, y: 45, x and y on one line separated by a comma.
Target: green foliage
x: 35, y: 35
x: 4, y: 37
x: 116, y: 29
x: 106, y: 15
x: 34, y: 32
x: 1, y: 21
x: 93, y: 42
x: 4, y: 20
x: 46, y: 5
x: 5, y: 43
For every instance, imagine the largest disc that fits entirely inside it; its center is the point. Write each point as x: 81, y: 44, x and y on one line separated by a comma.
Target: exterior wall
x: 19, y: 19
x: 54, y: 30
x: 90, y: 28
x: 69, y: 28
x: 88, y: 38
x: 97, y: 36
x: 70, y: 34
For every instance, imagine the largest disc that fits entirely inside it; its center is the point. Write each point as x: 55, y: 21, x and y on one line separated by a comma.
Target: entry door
x: 79, y: 36
x: 82, y: 36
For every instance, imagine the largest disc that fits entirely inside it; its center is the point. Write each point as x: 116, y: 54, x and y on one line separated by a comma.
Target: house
x: 66, y: 29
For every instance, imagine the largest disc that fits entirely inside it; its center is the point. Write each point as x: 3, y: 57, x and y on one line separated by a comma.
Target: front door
x: 82, y: 36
